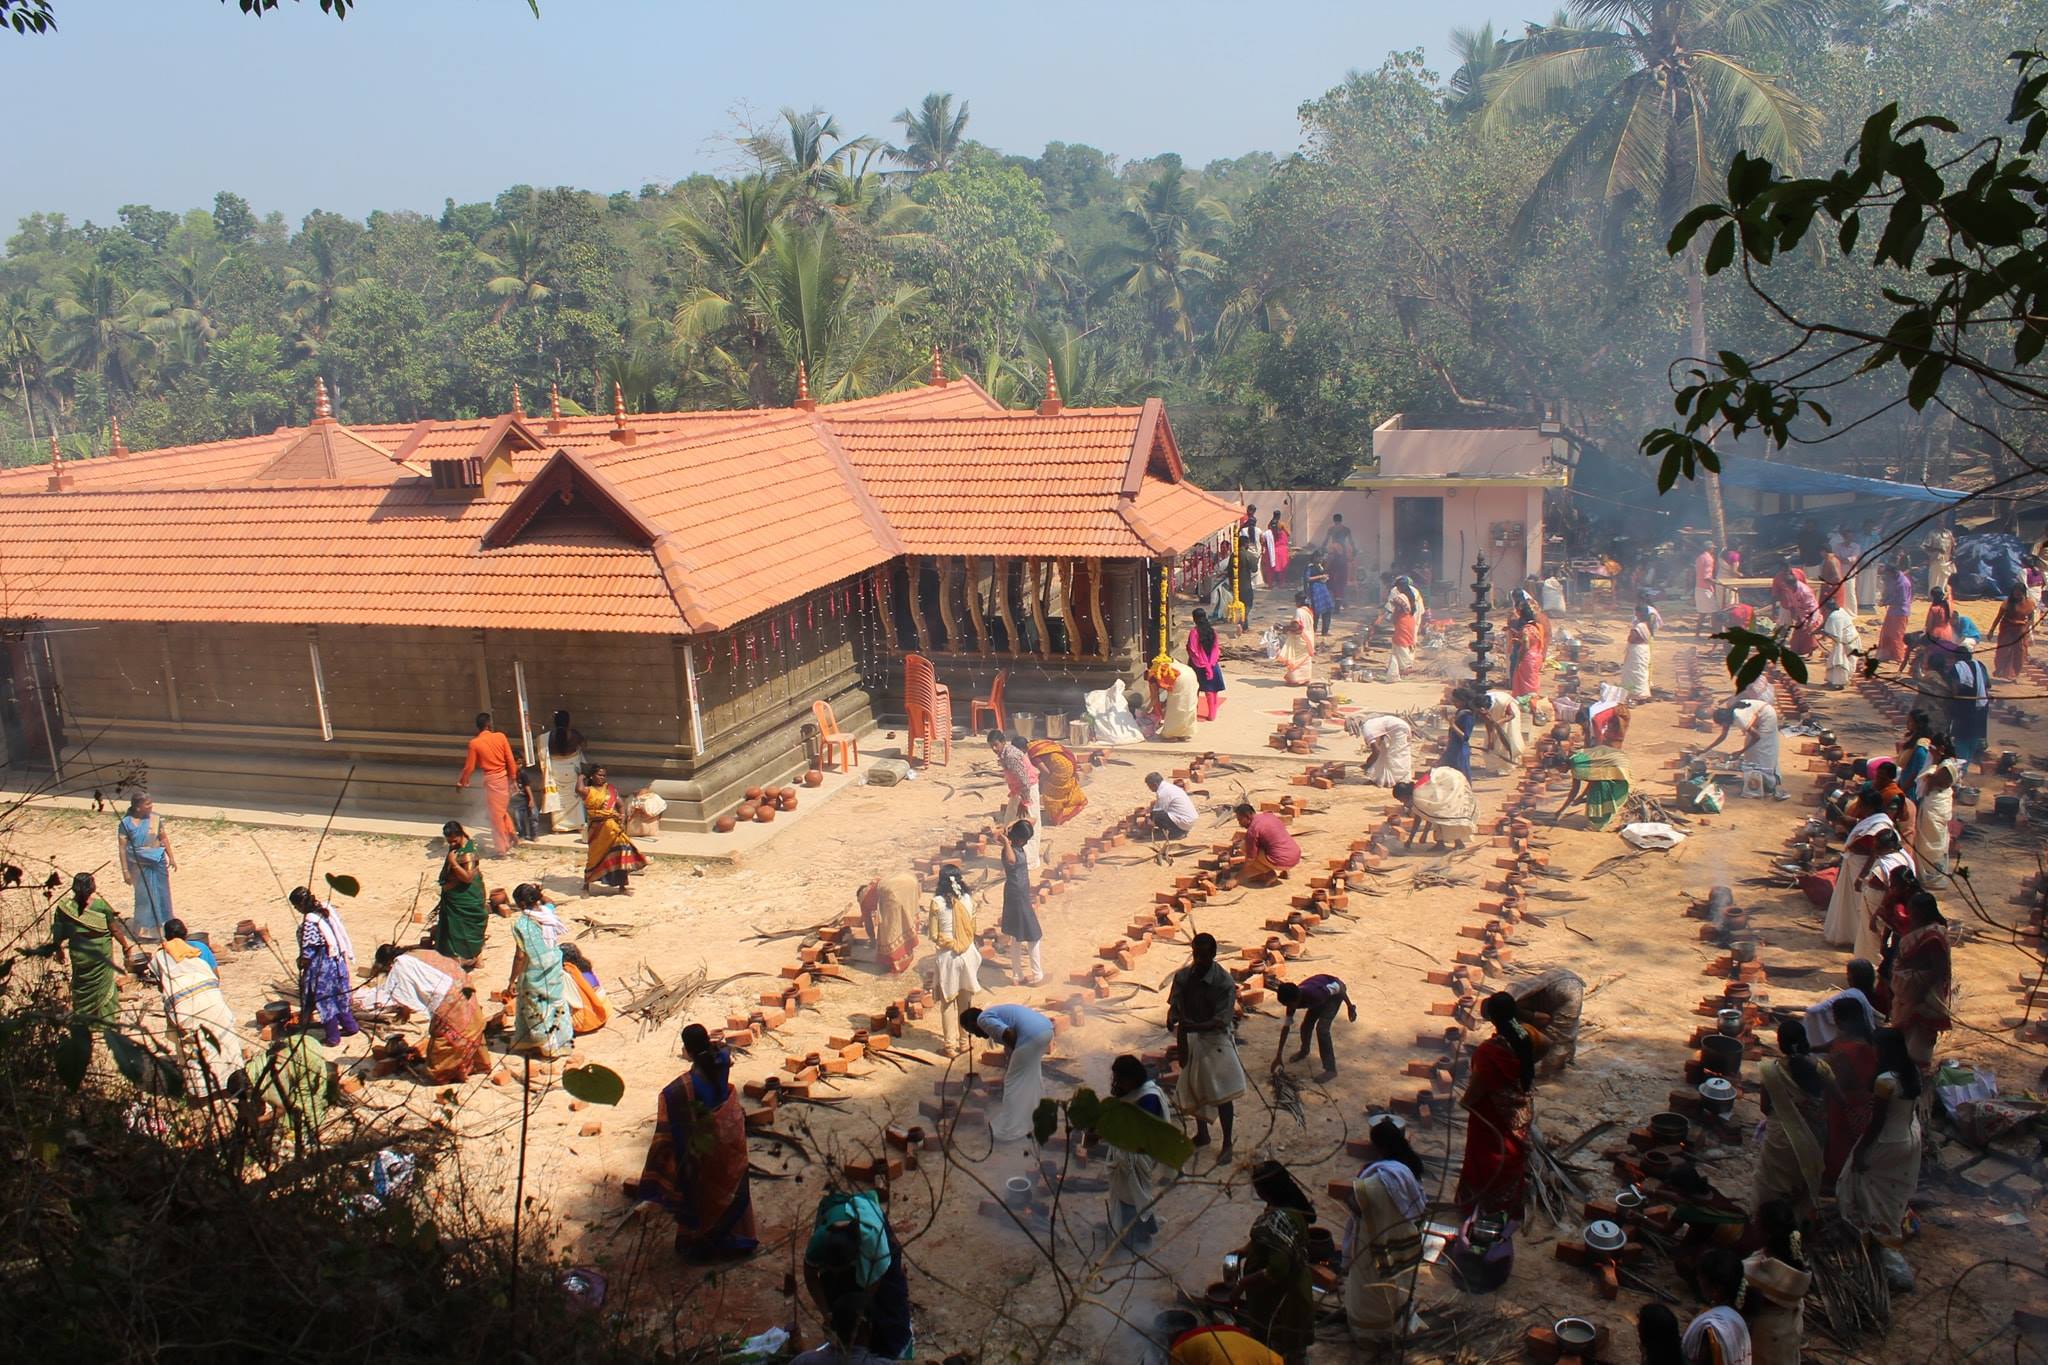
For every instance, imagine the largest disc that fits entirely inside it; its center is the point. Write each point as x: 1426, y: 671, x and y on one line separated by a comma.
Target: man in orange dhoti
x: 491, y: 754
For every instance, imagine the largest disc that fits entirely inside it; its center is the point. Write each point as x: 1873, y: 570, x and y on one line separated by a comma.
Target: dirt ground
x: 981, y: 1284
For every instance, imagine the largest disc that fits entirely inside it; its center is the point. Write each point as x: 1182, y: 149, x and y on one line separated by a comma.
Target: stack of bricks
x: 1301, y: 732
x: 1322, y: 776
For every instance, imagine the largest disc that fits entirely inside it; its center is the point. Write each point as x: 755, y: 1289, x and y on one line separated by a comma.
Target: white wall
x: 1470, y: 515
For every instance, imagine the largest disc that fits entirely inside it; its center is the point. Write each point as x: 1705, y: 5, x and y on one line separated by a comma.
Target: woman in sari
x: 1383, y: 1241
x: 589, y: 1008
x: 1494, y: 1175
x: 956, y: 962
x: 1060, y: 797
x: 1602, y: 779
x: 292, y: 1078
x: 146, y: 864
x: 1403, y: 612
x: 608, y: 853
x: 697, y: 1163
x: 1277, y: 1293
x: 1884, y: 1169
x: 1921, y: 981
x: 1852, y: 1059
x: 1935, y: 796
x: 1775, y: 1280
x: 1837, y: 588
x: 1635, y: 660
x: 1844, y: 640
x: 561, y: 765
x: 888, y: 907
x: 1298, y: 644
x: 2013, y: 632
x: 1441, y: 800
x: 1795, y: 1087
x: 1896, y: 597
x: 1389, y: 749
x: 1276, y: 551
x: 1531, y: 636
x: 201, y: 1024
x: 1798, y: 608
x: 433, y: 986
x: 542, y: 1024
x: 326, y: 961
x: 1205, y: 656
x: 459, y: 915
x: 1174, y: 704
x: 84, y: 931
x: 1458, y: 739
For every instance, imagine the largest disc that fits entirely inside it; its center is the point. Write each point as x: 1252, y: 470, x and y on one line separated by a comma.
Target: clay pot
x: 723, y: 824
x: 789, y: 801
x: 753, y: 793
x: 764, y: 814
x: 1721, y: 1053
x: 814, y: 778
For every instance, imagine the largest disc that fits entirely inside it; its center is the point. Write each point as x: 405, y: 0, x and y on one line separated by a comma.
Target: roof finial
x: 321, y: 411
x: 1050, y: 404
x: 518, y: 408
x: 118, y: 448
x: 59, y: 480
x: 938, y: 368
x: 803, y: 388
x: 618, y: 402
x: 555, y: 423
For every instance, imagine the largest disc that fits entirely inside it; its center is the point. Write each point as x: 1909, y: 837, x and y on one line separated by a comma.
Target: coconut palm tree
x: 719, y: 331
x: 313, y: 289
x: 106, y: 329
x: 24, y: 320
x: 1479, y: 51
x: 518, y: 279
x: 812, y: 155
x: 810, y: 294
x: 1174, y: 251
x: 932, y: 134
x: 1662, y: 93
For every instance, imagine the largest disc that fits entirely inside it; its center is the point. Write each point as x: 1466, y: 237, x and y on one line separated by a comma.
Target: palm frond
x: 1536, y: 84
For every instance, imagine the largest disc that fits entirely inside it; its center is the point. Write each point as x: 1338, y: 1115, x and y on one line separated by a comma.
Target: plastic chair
x: 992, y: 705
x: 831, y: 737
x: 928, y: 708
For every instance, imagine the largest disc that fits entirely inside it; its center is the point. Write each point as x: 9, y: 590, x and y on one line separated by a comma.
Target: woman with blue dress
x: 146, y: 864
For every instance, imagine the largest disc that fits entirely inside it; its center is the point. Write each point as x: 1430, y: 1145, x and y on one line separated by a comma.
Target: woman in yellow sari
x: 608, y: 853
x: 1060, y: 797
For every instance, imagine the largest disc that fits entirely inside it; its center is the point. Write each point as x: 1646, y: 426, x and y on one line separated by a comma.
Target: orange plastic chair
x: 992, y: 705
x: 831, y: 738
x: 928, y: 707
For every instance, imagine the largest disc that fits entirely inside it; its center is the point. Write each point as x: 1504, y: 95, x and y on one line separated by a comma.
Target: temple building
x: 254, y: 618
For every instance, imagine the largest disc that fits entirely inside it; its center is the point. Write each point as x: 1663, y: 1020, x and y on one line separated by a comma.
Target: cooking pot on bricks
x: 1669, y: 1127
x: 1722, y: 1053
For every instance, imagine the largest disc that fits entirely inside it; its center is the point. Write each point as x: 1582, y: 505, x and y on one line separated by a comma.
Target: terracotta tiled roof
x: 705, y: 520
x: 1083, y: 482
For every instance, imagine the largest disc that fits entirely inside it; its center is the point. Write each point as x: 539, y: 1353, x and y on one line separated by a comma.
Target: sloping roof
x: 1769, y: 476
x: 1078, y: 483
x: 702, y: 521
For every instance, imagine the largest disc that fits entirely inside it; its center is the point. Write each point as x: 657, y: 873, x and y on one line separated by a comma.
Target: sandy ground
x: 981, y: 1284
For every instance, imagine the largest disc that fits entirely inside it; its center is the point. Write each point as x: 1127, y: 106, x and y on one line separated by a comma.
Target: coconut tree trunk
x: 1696, y: 308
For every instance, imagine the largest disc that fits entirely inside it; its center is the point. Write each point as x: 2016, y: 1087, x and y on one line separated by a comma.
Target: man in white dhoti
x: 1025, y: 1035
x: 1941, y: 559
x: 1635, y: 659
x: 1201, y: 1012
x: 1936, y: 798
x: 1876, y: 885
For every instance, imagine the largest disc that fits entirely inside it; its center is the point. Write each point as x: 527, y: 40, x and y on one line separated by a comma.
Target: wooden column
x: 1002, y: 596
x: 944, y: 569
x: 483, y: 674
x: 1034, y: 602
x: 973, y: 581
x: 1102, y: 649
x: 913, y: 575
x: 1067, y: 608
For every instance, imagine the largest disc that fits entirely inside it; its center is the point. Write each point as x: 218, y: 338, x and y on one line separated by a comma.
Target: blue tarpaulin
x: 1765, y: 476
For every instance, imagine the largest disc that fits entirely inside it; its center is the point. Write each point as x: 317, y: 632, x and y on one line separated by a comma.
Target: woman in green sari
x: 459, y: 916
x: 542, y: 1023
x: 1601, y: 777
x: 84, y: 930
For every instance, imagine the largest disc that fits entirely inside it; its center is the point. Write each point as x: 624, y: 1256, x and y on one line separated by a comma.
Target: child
x: 1020, y: 921
x: 524, y: 805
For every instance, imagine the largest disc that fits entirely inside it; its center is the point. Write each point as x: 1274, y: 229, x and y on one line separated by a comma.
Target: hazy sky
x: 166, y: 101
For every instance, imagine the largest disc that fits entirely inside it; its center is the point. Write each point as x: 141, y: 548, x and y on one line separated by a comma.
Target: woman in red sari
x: 1852, y: 1057
x: 2013, y: 630
x: 1895, y: 595
x: 1530, y: 632
x: 697, y: 1163
x: 1494, y: 1177
x: 1799, y: 608
x: 1920, y: 983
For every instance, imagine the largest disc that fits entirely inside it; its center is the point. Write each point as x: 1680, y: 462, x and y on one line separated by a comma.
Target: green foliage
x: 344, y: 885
x: 594, y: 1084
